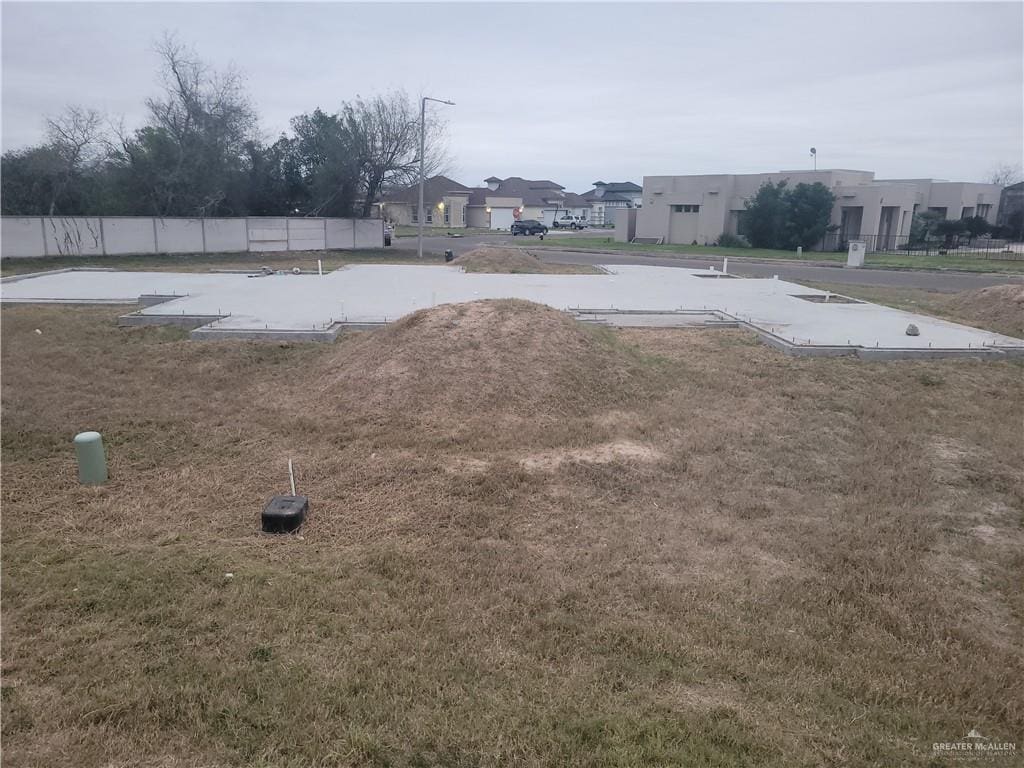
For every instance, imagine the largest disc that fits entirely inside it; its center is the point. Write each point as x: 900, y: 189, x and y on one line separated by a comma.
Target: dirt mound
x: 516, y: 262
x: 998, y: 308
x: 494, y: 356
x: 504, y: 260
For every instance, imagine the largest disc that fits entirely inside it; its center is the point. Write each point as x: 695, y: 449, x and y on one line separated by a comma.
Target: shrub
x: 779, y: 217
x: 727, y: 240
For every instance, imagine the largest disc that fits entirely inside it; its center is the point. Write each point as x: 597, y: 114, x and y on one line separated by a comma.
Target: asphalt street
x: 929, y: 280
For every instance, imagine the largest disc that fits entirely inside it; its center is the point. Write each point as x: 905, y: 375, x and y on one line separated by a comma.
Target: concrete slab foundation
x: 311, y: 307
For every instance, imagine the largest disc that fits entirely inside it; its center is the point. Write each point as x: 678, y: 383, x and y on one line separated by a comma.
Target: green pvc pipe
x: 92, y: 463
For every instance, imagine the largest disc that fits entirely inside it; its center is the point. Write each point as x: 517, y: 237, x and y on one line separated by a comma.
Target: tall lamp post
x: 423, y: 141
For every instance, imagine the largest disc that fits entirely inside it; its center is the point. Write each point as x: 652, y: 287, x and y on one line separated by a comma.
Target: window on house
x: 430, y: 216
x: 686, y: 208
x: 415, y: 216
x: 983, y: 209
x: 447, y: 216
x: 462, y: 214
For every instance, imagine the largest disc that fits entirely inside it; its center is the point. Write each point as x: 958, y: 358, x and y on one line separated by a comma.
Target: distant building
x: 444, y: 204
x: 1011, y: 210
x: 605, y: 198
x: 448, y: 204
x: 698, y: 209
x: 503, y: 201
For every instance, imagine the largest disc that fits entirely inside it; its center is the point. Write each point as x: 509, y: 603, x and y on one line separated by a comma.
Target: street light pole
x: 423, y: 141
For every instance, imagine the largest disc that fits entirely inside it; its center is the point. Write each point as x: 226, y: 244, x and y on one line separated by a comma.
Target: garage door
x: 501, y: 218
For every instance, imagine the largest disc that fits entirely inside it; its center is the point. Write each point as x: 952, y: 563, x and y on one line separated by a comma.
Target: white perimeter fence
x: 29, y: 236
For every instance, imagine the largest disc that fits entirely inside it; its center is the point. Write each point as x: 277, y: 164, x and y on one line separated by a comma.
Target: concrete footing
x: 793, y: 318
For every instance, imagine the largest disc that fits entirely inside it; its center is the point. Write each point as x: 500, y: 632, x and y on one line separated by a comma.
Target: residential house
x: 606, y: 198
x: 450, y: 205
x: 503, y: 201
x: 444, y: 204
x: 688, y: 209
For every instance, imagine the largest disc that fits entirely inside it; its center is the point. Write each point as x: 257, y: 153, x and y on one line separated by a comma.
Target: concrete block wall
x: 225, y: 235
x: 179, y: 236
x: 129, y: 235
x: 67, y: 236
x: 307, y: 234
x: 341, y: 233
x: 266, y: 234
x: 33, y: 236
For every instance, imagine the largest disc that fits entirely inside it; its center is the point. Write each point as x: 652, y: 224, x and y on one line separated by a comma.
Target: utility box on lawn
x: 855, y: 256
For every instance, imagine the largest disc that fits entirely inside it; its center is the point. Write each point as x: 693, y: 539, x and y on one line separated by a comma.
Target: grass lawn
x: 899, y: 260
x: 203, y: 262
x: 531, y: 543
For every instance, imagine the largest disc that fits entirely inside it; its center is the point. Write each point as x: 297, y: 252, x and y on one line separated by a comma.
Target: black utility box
x: 284, y: 514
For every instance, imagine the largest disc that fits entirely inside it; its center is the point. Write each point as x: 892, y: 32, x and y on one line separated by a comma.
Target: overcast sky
x: 577, y: 93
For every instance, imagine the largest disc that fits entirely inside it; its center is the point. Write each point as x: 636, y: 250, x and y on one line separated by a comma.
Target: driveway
x: 928, y: 280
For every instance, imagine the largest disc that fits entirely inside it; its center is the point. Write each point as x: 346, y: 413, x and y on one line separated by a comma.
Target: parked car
x: 568, y: 221
x: 528, y: 227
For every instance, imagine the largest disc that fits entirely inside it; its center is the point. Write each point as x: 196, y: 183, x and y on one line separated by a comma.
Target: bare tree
x: 197, y: 134
x: 1005, y: 174
x: 76, y: 138
x: 386, y: 134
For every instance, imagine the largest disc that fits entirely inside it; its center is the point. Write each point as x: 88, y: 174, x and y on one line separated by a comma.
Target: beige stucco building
x: 698, y: 209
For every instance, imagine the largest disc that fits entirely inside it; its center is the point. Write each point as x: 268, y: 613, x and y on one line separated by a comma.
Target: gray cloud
x: 576, y: 92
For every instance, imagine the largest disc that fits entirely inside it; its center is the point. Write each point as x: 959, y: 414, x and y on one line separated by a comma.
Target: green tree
x: 949, y: 230
x: 976, y: 226
x: 809, y: 210
x: 779, y: 217
x: 765, y: 219
x: 326, y: 158
x: 923, y: 226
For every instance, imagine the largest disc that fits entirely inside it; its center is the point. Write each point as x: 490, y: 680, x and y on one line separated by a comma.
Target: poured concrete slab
x: 311, y: 306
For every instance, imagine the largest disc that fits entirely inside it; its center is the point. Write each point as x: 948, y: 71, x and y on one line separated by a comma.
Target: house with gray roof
x: 496, y: 205
x: 503, y: 201
x: 444, y: 204
x: 607, y: 197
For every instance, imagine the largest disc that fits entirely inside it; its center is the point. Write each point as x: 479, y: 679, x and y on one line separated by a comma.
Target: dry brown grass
x: 531, y: 543
x: 516, y: 261
x: 998, y: 307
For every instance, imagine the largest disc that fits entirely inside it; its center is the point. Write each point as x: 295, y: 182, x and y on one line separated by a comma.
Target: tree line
x: 200, y: 153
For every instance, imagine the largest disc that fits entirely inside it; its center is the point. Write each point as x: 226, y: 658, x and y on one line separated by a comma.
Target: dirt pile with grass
x: 998, y: 307
x: 513, y: 261
x: 508, y: 356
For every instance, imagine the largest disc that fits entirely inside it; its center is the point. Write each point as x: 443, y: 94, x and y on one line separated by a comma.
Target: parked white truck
x: 562, y: 219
